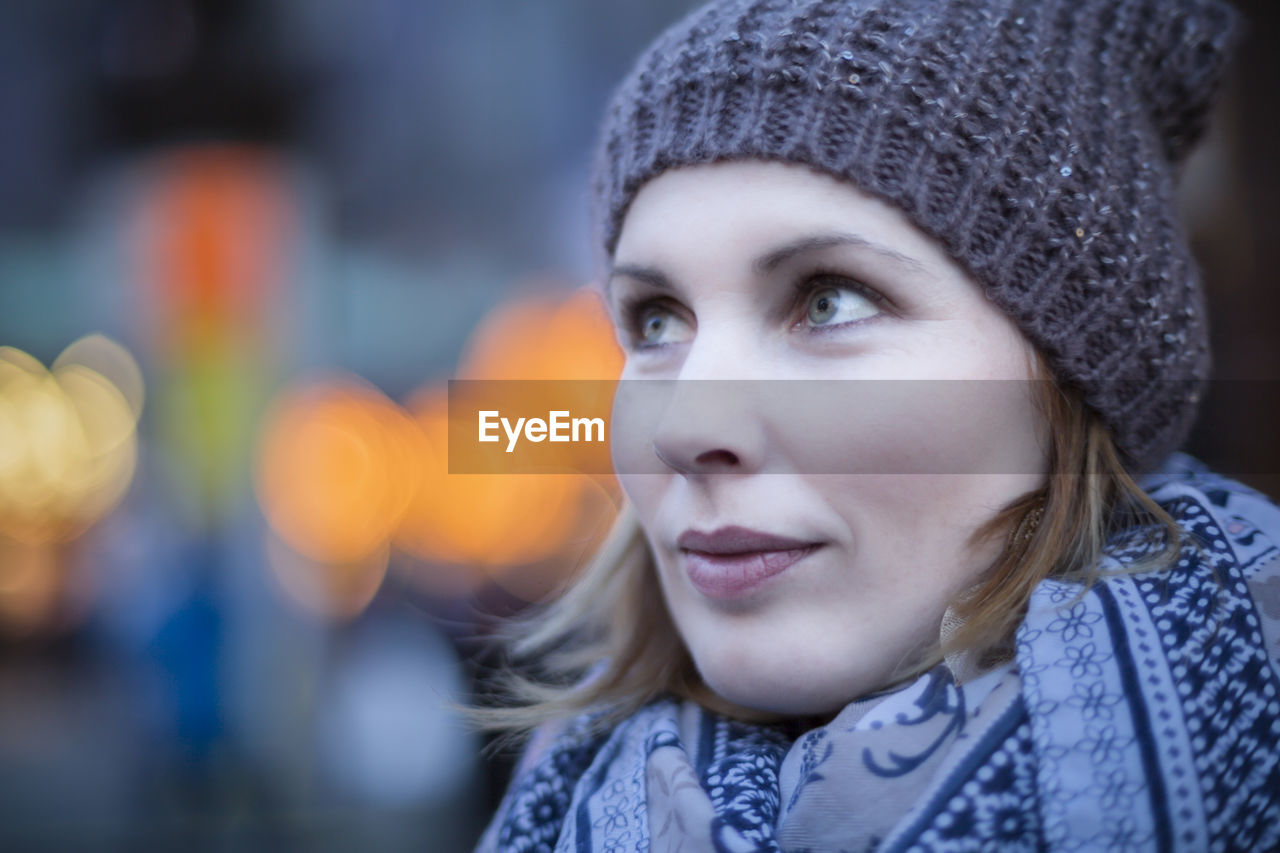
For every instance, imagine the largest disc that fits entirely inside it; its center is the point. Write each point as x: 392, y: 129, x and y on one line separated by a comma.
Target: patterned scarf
x: 709, y: 783
x: 1141, y: 715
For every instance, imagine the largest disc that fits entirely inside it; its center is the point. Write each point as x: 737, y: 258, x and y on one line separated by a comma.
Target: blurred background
x: 243, y: 246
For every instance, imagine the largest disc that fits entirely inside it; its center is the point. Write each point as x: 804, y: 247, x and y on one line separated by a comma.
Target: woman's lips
x: 732, y: 561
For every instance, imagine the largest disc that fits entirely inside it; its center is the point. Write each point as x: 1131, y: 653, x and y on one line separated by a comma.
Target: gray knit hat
x: 1037, y: 140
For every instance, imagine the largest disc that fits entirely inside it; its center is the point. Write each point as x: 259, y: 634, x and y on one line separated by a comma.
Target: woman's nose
x: 711, y: 416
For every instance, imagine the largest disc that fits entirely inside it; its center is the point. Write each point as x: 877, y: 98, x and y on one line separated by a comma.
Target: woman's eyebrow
x: 769, y: 262
x: 650, y: 276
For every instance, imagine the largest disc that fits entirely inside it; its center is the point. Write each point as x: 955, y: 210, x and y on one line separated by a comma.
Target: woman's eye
x: 657, y: 325
x: 832, y: 306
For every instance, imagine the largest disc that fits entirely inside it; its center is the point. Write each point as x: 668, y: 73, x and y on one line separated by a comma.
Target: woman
x: 940, y: 611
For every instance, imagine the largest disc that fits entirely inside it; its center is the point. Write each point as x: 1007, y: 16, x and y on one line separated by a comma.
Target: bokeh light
x: 68, y: 450
x: 213, y: 239
x: 338, y: 589
x: 68, y: 443
x: 482, y: 520
x: 334, y: 469
x: 527, y: 532
x: 335, y: 472
x: 343, y: 474
x: 547, y: 336
x: 212, y: 244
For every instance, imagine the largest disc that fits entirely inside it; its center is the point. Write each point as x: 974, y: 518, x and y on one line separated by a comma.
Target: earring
x: 1027, y: 527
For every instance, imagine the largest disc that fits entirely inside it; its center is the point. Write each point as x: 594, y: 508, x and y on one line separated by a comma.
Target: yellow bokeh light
x: 68, y: 449
x: 68, y: 444
x: 109, y: 360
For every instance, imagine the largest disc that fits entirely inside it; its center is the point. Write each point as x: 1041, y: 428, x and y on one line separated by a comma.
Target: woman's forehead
x: 767, y: 211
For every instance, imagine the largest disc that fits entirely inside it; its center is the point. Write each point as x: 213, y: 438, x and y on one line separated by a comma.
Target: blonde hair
x: 609, y: 643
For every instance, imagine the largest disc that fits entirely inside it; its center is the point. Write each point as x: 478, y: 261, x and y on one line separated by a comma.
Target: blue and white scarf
x: 1141, y: 715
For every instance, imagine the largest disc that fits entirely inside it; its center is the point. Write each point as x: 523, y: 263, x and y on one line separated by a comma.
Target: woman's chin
x: 788, y: 690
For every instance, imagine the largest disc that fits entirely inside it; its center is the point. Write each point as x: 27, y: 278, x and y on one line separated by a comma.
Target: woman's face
x: 809, y: 535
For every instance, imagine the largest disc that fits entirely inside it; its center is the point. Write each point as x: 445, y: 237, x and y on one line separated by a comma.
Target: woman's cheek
x: 906, y: 426
x: 858, y: 426
x: 638, y: 407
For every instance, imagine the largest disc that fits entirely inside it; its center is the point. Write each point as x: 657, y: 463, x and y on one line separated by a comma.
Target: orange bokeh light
x: 544, y: 338
x: 481, y: 519
x: 339, y: 590
x: 335, y: 469
x: 527, y: 531
x: 342, y: 473
x: 211, y: 232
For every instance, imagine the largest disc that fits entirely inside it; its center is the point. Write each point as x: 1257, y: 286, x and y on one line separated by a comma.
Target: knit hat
x: 1037, y: 140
